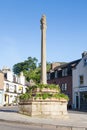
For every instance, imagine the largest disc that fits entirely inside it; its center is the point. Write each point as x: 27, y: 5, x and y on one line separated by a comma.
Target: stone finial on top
x: 43, y: 19
x: 43, y: 22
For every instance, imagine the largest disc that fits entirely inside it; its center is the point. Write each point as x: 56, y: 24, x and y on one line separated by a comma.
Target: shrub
x: 24, y: 96
x: 41, y: 86
x: 43, y: 95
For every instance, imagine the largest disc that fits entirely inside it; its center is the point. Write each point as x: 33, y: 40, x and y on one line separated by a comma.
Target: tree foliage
x: 27, y: 65
x: 33, y: 74
x: 30, y: 69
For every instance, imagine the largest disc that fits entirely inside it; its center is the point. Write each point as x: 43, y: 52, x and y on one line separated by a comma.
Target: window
x: 14, y: 88
x: 64, y: 87
x: 85, y: 61
x: 64, y: 72
x: 48, y: 76
x: 5, y: 75
x: 7, y: 87
x: 5, y: 97
x: 20, y: 89
x: 55, y: 74
x: 81, y: 79
x: 52, y: 75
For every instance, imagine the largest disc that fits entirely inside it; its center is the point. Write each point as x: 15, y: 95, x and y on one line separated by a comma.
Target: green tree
x: 30, y: 69
x: 33, y: 74
x: 27, y: 65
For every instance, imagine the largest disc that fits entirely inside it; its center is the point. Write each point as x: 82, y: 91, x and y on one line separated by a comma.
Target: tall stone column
x: 43, y: 50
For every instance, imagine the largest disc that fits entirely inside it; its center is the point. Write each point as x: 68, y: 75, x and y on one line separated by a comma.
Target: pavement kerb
x: 58, y: 127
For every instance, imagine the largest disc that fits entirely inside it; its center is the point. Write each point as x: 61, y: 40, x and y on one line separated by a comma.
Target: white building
x: 13, y: 86
x: 80, y: 84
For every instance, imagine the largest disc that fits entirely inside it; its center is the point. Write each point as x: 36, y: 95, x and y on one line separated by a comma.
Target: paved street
x: 10, y: 115
x: 16, y: 126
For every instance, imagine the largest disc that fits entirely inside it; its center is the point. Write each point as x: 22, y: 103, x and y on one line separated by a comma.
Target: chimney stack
x: 84, y: 54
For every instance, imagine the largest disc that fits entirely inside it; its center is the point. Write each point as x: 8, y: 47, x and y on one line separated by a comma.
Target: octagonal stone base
x: 44, y: 108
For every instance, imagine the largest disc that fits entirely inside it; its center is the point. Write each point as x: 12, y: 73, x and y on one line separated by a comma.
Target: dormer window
x: 5, y: 75
x: 64, y: 72
x: 48, y: 76
x: 55, y: 74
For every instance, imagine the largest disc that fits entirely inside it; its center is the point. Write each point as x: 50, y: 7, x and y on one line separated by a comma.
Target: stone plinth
x: 48, y: 108
x: 44, y: 101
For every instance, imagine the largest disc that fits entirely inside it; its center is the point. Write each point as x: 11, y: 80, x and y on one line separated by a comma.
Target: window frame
x: 81, y: 79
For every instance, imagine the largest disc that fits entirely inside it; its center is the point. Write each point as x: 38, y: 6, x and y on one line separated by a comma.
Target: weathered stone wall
x: 53, y: 109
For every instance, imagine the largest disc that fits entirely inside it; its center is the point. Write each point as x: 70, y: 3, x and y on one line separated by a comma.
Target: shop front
x: 80, y: 98
x: 83, y: 101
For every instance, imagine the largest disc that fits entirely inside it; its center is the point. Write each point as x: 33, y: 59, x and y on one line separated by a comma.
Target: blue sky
x: 20, y: 34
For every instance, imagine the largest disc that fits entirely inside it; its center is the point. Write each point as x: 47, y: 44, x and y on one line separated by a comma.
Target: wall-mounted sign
x: 82, y: 89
